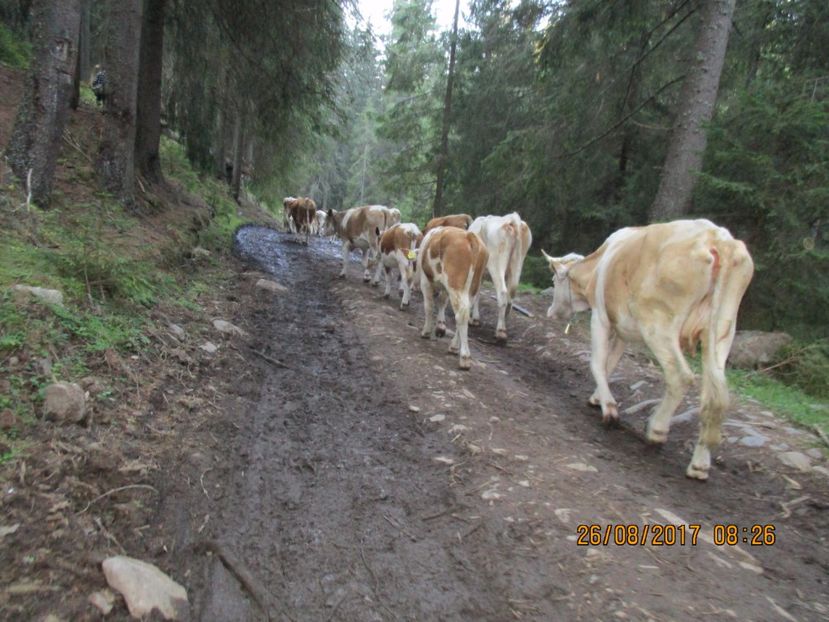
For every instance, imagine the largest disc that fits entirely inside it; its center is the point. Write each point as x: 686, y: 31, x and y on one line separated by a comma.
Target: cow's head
x: 567, y: 299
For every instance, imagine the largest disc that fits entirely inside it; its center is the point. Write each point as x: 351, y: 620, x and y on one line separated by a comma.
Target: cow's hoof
x: 465, y: 363
x: 375, y: 284
x: 610, y: 415
x: 501, y: 336
x: 386, y: 295
x: 657, y: 437
x: 440, y: 331
x: 342, y: 275
x: 404, y: 306
x: 453, y: 349
x: 474, y: 322
x: 425, y: 334
x: 697, y: 473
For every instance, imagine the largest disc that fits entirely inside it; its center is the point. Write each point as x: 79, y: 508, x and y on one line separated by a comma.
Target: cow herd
x: 672, y: 286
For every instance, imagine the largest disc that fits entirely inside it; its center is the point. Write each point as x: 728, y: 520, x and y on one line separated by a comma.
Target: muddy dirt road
x: 364, y: 477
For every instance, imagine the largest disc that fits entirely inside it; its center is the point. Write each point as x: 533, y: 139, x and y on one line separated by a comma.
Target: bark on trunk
x: 238, y: 142
x: 36, y: 138
x: 148, y: 118
x: 696, y: 106
x: 443, y: 154
x: 85, y: 40
x: 116, y: 152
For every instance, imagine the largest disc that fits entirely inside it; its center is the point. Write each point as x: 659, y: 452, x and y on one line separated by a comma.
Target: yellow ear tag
x: 411, y: 254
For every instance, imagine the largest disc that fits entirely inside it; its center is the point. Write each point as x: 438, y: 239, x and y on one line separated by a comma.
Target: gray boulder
x: 64, y: 401
x: 755, y: 348
x: 50, y: 296
x: 145, y: 588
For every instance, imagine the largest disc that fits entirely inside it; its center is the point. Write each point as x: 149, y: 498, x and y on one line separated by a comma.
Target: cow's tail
x: 513, y: 230
x: 732, y: 270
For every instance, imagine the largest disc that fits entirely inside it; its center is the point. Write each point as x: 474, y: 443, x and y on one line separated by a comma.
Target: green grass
x: 15, y: 51
x: 218, y: 235
x: 788, y: 401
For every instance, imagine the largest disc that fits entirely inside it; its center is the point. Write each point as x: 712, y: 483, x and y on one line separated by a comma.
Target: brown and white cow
x: 452, y: 261
x: 398, y: 246
x: 358, y: 227
x: 507, y: 239
x: 671, y: 286
x: 287, y: 202
x: 302, y: 214
x: 461, y: 221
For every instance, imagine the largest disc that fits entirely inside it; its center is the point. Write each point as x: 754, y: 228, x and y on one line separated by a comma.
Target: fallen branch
x: 821, y: 434
x: 518, y: 308
x: 113, y: 491
x: 270, y: 360
x: 240, y: 572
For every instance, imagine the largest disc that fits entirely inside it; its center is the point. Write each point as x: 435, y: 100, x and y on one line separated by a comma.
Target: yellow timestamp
x: 637, y: 535
x: 755, y: 535
x: 620, y: 534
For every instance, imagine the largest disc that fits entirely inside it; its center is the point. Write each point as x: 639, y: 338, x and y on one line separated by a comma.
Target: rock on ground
x: 52, y: 296
x: 753, y: 348
x: 225, y: 327
x: 145, y: 588
x: 64, y: 401
x: 271, y: 286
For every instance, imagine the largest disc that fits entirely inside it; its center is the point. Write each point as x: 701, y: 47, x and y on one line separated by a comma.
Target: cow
x: 398, y: 246
x: 358, y: 227
x: 507, y: 239
x: 452, y: 261
x: 671, y: 286
x: 302, y: 214
x: 287, y: 202
x: 461, y: 221
x: 320, y: 222
x: 393, y: 218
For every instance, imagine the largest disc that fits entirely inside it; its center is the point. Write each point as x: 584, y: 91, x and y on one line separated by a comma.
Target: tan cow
x: 455, y: 220
x: 671, y: 286
x: 358, y: 227
x: 398, y: 247
x: 507, y: 238
x: 454, y: 260
x: 302, y: 215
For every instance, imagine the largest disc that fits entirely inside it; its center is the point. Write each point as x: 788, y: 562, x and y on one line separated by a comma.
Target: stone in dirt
x: 176, y: 331
x: 209, y: 347
x: 145, y: 588
x: 103, y: 600
x: 64, y: 401
x: 225, y: 327
x: 93, y: 385
x: 754, y: 440
x: 755, y: 348
x: 271, y: 286
x: 50, y: 296
x: 796, y: 460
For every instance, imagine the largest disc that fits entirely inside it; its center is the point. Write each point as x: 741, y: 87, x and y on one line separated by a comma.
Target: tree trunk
x: 38, y: 128
x: 85, y: 40
x: 148, y: 117
x: 238, y: 142
x: 116, y: 152
x: 443, y: 155
x: 696, y: 107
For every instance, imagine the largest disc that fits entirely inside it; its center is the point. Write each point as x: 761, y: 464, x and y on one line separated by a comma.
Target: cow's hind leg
x: 387, y: 271
x: 428, y: 307
x: 475, y: 320
x: 443, y: 299
x: 460, y: 342
x: 366, y: 270
x: 664, y: 343
x: 503, y: 299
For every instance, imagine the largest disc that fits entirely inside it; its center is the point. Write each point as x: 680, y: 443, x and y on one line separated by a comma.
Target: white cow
x: 671, y: 286
x: 507, y: 239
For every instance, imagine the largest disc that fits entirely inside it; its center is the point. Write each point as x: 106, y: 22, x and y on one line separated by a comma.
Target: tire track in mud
x: 332, y: 473
x: 338, y: 506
